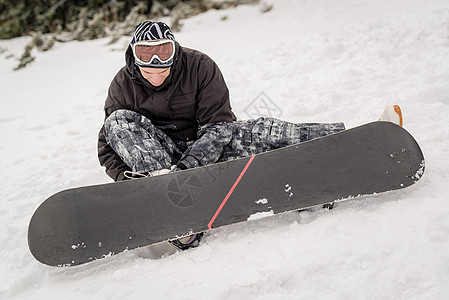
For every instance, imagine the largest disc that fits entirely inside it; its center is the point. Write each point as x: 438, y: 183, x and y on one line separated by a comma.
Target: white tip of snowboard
x: 393, y: 114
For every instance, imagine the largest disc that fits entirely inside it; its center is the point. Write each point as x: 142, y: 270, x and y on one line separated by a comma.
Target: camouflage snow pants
x: 144, y: 147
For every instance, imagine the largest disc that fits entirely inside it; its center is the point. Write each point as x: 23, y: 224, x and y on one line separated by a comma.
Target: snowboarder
x: 168, y: 109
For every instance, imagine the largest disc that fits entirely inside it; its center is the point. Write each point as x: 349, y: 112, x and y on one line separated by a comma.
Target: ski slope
x: 303, y: 61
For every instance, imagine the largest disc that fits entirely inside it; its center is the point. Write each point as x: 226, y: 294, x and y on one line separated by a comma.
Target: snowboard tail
x: 79, y: 225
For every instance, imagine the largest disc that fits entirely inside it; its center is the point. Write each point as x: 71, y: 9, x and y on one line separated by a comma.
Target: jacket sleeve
x: 214, y: 116
x: 114, y: 165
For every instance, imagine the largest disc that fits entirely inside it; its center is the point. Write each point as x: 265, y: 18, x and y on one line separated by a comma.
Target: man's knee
x: 121, y: 117
x: 121, y: 113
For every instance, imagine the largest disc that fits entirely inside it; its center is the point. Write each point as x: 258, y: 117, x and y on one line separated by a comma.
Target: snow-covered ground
x: 317, y: 61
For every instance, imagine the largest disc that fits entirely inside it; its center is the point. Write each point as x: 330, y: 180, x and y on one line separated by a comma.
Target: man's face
x: 156, y: 76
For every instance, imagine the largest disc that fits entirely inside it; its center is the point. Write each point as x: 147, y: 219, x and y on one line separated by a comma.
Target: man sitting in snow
x: 168, y: 109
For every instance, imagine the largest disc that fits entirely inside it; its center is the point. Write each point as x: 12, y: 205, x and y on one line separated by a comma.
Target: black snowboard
x: 80, y: 225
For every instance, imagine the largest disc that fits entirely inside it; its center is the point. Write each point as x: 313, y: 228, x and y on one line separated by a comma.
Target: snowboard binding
x: 191, y: 241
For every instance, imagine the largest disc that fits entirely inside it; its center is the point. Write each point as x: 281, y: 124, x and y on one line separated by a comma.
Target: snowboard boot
x: 188, y: 242
x: 393, y: 114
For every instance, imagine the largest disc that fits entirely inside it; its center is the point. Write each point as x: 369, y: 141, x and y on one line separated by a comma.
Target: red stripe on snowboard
x: 230, y: 192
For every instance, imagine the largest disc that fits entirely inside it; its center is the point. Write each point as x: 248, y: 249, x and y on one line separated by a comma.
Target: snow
x: 261, y: 215
x: 262, y: 201
x: 312, y: 61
